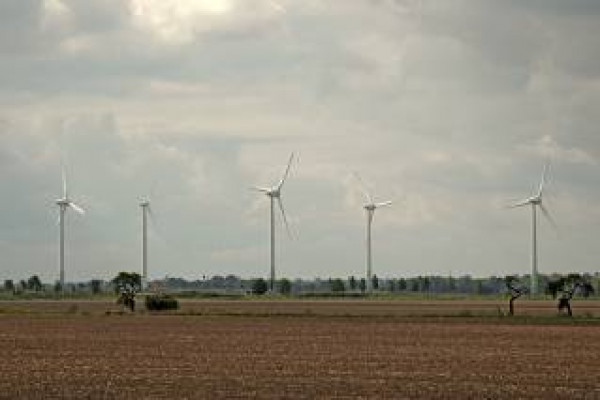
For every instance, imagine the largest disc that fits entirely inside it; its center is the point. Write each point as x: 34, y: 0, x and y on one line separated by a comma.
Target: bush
x: 285, y: 286
x: 159, y: 302
x: 259, y: 286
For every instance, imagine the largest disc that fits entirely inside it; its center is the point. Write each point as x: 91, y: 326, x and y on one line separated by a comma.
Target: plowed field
x: 309, y: 356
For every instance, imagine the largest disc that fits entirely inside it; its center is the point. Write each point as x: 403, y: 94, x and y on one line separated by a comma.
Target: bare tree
x: 515, y: 293
x: 565, y: 300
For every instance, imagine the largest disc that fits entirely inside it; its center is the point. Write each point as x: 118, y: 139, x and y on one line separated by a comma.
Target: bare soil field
x: 293, y: 354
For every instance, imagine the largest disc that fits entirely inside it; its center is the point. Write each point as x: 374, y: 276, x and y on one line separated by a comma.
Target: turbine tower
x: 535, y: 201
x: 145, y: 205
x: 370, y: 208
x: 274, y: 193
x: 63, y: 204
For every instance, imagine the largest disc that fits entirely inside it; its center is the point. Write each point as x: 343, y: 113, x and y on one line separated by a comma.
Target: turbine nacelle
x: 374, y: 206
x: 65, y: 201
x: 274, y: 193
x: 536, y: 200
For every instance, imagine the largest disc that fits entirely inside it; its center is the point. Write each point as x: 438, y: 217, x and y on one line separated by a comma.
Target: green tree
x: 9, y: 286
x: 352, y: 282
x: 479, y: 286
x: 127, y: 284
x: 425, y: 283
x: 555, y: 286
x: 451, y: 284
x: 414, y: 285
x: 96, y: 285
x: 259, y: 286
x: 362, y: 285
x: 285, y: 286
x: 392, y: 285
x: 587, y: 289
x: 402, y: 284
x: 582, y: 282
x: 375, y: 282
x: 127, y: 281
x: 337, y: 286
x: 34, y: 283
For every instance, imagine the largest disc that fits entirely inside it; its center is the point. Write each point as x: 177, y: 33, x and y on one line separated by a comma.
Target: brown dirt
x: 145, y: 356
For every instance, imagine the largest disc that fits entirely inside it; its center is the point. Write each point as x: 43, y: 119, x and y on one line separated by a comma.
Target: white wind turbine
x: 274, y: 193
x: 370, y: 208
x: 146, y: 211
x: 64, y: 203
x: 535, y: 201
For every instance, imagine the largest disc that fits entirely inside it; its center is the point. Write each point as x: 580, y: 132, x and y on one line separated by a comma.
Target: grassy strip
x: 465, y: 316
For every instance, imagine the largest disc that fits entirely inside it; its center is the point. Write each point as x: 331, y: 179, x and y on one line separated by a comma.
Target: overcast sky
x: 448, y: 108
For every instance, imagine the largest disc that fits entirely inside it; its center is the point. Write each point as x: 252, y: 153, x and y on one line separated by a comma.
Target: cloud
x: 550, y: 149
x: 448, y: 108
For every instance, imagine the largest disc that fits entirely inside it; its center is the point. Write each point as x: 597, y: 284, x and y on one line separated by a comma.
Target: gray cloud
x: 449, y: 108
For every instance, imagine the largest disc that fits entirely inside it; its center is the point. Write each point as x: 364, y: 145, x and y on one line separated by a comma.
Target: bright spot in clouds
x: 177, y: 21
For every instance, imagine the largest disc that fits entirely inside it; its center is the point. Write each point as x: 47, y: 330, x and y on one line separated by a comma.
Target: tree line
x: 588, y: 284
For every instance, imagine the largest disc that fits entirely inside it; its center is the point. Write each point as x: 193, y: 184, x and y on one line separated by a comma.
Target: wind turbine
x: 274, y: 193
x: 535, y: 201
x: 370, y: 208
x: 64, y: 203
x: 145, y: 205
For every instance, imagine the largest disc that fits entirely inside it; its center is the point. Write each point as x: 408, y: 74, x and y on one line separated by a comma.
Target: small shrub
x: 260, y: 286
x: 159, y: 302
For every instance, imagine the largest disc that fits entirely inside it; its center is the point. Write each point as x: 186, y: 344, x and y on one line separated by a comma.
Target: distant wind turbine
x: 146, y: 210
x: 535, y: 201
x: 64, y: 203
x: 370, y: 208
x: 274, y: 193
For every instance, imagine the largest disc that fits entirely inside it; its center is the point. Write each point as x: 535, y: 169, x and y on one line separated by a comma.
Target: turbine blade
x: 285, y: 222
x: 287, y: 170
x: 384, y: 204
x: 261, y: 189
x: 363, y: 187
x: 548, y: 216
x: 519, y: 203
x: 543, y: 180
x: 64, y: 182
x: 152, y: 217
x: 76, y: 208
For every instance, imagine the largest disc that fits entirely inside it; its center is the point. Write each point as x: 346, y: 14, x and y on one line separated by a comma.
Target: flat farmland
x: 59, y: 350
x: 335, y: 307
